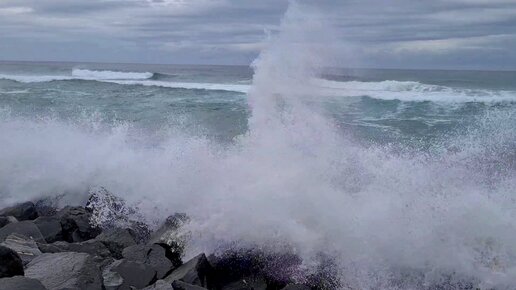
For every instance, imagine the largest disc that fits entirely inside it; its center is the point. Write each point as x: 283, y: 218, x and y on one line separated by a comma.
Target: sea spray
x: 389, y: 219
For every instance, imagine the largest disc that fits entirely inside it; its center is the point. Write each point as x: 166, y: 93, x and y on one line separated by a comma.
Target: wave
x: 411, y: 91
x: 86, y: 74
x: 189, y: 86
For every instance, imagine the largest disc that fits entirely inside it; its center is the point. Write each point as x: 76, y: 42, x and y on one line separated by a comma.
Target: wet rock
x: 26, y: 228
x: 25, y: 247
x: 134, y: 274
x: 180, y: 285
x: 76, y: 226
x: 10, y: 263
x: 112, y: 280
x: 92, y: 247
x: 116, y: 240
x: 47, y: 206
x: 50, y: 228
x: 248, y: 283
x: 5, y: 220
x: 160, y: 285
x: 168, y: 232
x: 20, y: 283
x: 197, y: 271
x: 22, y: 211
x: 155, y: 256
x: 65, y: 271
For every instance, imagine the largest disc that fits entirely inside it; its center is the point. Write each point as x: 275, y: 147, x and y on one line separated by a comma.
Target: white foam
x: 86, y: 74
x: 187, y: 85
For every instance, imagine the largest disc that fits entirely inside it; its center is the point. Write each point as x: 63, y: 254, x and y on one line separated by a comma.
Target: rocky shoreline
x: 96, y: 246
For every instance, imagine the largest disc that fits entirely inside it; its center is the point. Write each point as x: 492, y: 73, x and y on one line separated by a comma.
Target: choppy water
x: 407, y: 178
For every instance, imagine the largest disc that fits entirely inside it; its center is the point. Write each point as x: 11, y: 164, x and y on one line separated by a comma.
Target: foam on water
x: 110, y: 75
x: 393, y: 219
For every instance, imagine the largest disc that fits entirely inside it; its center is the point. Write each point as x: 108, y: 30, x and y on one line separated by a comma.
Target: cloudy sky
x: 467, y: 34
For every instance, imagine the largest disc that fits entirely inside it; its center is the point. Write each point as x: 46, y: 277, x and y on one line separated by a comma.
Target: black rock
x: 26, y: 228
x: 134, y: 274
x: 197, y: 271
x: 76, y: 226
x: 116, y: 240
x: 153, y: 255
x: 47, y: 206
x: 160, y: 285
x: 92, y: 247
x: 22, y: 211
x: 25, y: 247
x: 10, y: 263
x: 180, y: 285
x: 50, y: 228
x: 65, y: 271
x: 4, y: 221
x: 168, y: 232
x: 248, y: 283
x: 20, y: 283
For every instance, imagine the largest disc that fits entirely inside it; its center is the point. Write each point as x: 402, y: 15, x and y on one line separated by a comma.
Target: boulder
x: 168, y: 232
x: 180, y: 285
x: 248, y: 283
x: 153, y: 255
x: 160, y: 285
x: 21, y: 211
x: 76, y: 226
x: 26, y: 228
x: 25, y: 247
x: 92, y: 247
x: 50, y: 228
x: 65, y: 270
x: 197, y: 271
x: 5, y: 220
x: 116, y: 240
x: 133, y: 274
x: 10, y: 263
x: 20, y: 283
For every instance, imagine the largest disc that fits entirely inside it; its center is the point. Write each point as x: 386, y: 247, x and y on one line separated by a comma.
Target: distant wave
x: 410, y: 91
x: 406, y: 91
x: 110, y: 75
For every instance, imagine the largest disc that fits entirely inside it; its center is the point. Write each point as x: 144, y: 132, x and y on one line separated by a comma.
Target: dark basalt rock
x: 26, y: 228
x: 168, y: 232
x: 10, y: 263
x: 22, y: 211
x: 153, y: 255
x: 133, y: 274
x: 4, y: 221
x: 75, y: 222
x: 65, y: 271
x: 20, y: 283
x: 197, y: 271
x: 160, y: 285
x: 92, y: 247
x: 116, y: 240
x: 50, y: 228
x: 25, y: 247
x: 180, y: 285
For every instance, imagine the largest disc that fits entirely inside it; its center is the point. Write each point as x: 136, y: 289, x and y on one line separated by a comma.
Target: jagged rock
x: 159, y: 285
x: 197, y: 271
x: 157, y: 256
x: 22, y: 211
x: 168, y: 232
x: 92, y: 247
x: 248, y: 283
x: 47, y: 206
x: 75, y: 222
x: 134, y: 274
x: 116, y: 240
x: 112, y: 280
x: 296, y: 287
x: 26, y: 228
x: 109, y: 211
x: 65, y: 270
x: 25, y: 247
x: 50, y: 228
x: 20, y: 283
x: 10, y: 263
x: 180, y: 285
x: 5, y: 220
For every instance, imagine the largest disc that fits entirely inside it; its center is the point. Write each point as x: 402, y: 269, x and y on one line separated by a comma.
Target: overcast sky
x: 469, y: 34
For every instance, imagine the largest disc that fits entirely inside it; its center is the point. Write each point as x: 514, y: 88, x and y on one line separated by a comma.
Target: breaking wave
x: 110, y: 75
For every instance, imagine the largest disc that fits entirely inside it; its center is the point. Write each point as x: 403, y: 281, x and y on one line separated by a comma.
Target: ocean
x: 406, y: 176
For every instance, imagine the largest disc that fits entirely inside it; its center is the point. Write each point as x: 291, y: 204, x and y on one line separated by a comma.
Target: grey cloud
x: 370, y: 33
